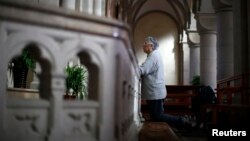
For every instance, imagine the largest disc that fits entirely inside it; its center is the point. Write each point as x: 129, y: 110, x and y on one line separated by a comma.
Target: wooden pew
x: 228, y: 90
x: 178, y: 100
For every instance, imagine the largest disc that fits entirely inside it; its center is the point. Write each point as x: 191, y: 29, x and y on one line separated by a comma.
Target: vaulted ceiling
x: 178, y: 10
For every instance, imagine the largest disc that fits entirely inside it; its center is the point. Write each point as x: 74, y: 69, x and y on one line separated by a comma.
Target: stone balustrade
x: 102, y: 45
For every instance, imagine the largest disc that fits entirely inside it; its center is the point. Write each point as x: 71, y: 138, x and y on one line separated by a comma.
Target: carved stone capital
x: 222, y: 5
x: 206, y: 23
x: 193, y: 38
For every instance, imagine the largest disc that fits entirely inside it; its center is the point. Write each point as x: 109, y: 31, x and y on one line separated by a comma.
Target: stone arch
x: 16, y: 42
x: 165, y: 29
x: 43, y: 52
x: 93, y: 57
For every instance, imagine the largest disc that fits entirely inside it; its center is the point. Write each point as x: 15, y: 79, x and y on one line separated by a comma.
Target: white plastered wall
x: 164, y: 29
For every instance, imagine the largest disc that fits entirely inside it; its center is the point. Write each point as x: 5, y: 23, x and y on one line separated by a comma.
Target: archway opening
x: 165, y: 30
x: 24, y: 73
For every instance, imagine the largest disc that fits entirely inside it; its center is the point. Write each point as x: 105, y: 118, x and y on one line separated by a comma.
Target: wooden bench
x: 232, y: 98
x: 178, y: 100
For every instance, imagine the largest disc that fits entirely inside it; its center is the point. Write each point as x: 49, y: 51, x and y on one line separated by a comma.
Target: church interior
x: 69, y: 68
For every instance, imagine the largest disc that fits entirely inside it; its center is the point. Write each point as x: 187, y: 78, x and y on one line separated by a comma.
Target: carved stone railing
x: 103, y: 46
x: 26, y: 120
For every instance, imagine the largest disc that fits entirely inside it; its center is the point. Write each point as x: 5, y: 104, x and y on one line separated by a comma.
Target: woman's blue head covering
x: 153, y: 41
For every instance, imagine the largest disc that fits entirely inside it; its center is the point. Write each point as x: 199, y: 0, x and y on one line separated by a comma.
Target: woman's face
x: 147, y: 47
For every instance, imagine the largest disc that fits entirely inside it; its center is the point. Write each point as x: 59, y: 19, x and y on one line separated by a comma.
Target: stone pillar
x: 248, y: 33
x: 74, y: 61
x: 10, y: 79
x: 57, y: 88
x: 225, y: 51
x: 69, y: 4
x: 50, y: 2
x: 186, y: 61
x: 111, y: 8
x: 194, y: 45
x: 35, y: 83
x: 240, y: 36
x: 79, y: 5
x: 208, y: 55
x: 87, y: 6
x: 98, y: 7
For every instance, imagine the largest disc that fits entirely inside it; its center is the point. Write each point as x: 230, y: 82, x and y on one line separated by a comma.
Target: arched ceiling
x: 179, y: 10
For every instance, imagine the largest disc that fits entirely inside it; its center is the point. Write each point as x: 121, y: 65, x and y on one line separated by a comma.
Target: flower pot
x: 69, y: 97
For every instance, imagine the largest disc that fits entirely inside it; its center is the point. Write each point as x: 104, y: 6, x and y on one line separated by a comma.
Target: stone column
x: 69, y: 4
x: 35, y: 83
x: 50, y: 2
x: 208, y: 55
x: 186, y: 61
x: 240, y: 37
x: 87, y: 6
x: 111, y: 8
x: 225, y: 51
x: 57, y: 89
x: 79, y: 5
x: 98, y: 7
x: 194, y: 45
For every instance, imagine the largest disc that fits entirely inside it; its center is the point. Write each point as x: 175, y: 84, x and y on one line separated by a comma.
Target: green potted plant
x: 196, y: 80
x: 20, y: 66
x: 76, y: 81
